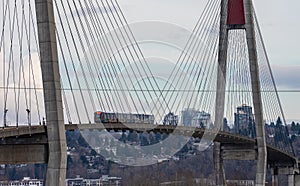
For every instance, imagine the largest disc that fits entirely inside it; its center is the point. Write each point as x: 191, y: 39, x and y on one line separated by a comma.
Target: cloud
x: 287, y: 76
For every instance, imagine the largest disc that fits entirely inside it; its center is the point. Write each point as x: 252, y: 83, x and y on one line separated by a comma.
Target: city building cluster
x: 243, y: 124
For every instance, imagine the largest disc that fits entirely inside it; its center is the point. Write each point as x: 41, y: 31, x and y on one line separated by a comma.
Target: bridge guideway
x: 38, y: 134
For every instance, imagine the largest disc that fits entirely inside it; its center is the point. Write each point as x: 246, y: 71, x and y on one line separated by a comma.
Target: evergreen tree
x: 272, y: 125
x: 293, y: 127
x: 144, y: 140
x: 277, y: 137
x: 158, y: 137
x: 278, y: 122
x: 123, y: 137
x: 152, y: 139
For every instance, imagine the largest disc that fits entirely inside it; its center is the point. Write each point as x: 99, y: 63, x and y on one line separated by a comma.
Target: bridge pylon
x: 238, y: 14
x: 56, y: 172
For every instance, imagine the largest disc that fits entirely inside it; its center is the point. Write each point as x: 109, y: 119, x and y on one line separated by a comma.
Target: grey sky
x: 280, y: 27
x: 279, y: 22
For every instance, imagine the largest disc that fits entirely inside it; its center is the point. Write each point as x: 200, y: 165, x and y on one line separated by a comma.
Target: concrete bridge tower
x: 238, y: 14
x: 56, y: 172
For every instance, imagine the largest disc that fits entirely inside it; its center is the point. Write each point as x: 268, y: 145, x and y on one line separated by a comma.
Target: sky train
x: 108, y: 117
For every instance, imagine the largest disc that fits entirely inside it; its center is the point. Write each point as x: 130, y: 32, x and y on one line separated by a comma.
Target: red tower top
x: 236, y: 12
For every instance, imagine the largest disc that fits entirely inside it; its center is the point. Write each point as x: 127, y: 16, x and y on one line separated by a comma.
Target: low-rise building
x: 105, y: 180
x: 26, y: 181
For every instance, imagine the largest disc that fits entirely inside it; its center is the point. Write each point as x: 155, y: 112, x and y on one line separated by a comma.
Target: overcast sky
x: 279, y: 22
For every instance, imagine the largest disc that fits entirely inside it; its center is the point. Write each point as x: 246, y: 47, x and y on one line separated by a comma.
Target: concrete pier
x: 274, y: 172
x: 219, y: 165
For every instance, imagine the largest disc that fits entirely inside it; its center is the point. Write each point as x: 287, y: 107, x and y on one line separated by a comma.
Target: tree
x: 144, y: 140
x: 12, y: 173
x: 281, y: 132
x: 272, y: 125
x: 83, y: 159
x: 293, y: 138
x: 158, y: 137
x: 152, y: 139
x: 225, y: 125
x: 278, y: 122
x: 123, y: 137
x: 298, y: 128
x: 132, y: 136
x: 293, y: 127
x: 93, y: 152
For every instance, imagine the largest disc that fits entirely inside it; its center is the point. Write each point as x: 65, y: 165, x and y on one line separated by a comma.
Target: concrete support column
x: 297, y: 179
x: 292, y: 173
x: 222, y: 65
x: 261, y: 169
x: 56, y: 173
x: 291, y: 180
x: 220, y: 94
x: 218, y: 165
x: 274, y: 172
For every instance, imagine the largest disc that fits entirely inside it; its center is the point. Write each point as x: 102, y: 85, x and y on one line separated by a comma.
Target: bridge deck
x: 274, y: 155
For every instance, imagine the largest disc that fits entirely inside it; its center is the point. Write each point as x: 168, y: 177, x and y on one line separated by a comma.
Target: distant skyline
x: 279, y: 23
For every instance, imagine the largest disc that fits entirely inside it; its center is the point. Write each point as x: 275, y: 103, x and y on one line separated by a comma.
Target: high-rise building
x: 202, y: 119
x: 170, y: 119
x: 244, y: 121
x: 187, y: 116
x: 195, y: 118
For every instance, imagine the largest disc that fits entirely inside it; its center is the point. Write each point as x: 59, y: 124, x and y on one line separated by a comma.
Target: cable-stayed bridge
x: 67, y: 63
